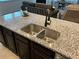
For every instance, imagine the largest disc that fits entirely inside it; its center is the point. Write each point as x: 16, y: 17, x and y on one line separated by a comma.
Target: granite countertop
x: 68, y: 41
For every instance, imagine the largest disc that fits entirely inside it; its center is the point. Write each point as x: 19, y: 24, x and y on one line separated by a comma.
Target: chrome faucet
x: 47, y: 20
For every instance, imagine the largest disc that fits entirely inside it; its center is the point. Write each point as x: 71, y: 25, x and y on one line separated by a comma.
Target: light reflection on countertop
x: 10, y: 16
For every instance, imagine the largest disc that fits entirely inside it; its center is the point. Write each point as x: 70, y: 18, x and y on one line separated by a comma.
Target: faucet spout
x: 47, y: 20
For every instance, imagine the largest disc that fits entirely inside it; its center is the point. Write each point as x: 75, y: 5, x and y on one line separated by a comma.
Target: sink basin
x: 32, y: 29
x: 48, y: 35
x: 41, y: 32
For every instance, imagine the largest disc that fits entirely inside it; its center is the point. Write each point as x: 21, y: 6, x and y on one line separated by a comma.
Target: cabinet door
x: 9, y: 39
x: 37, y: 55
x: 22, y: 49
x: 11, y: 43
x: 40, y: 52
x: 1, y: 38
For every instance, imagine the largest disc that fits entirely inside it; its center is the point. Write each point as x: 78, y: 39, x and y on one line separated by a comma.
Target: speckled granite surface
x: 66, y: 44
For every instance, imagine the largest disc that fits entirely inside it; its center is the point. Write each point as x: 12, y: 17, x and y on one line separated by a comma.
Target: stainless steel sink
x: 41, y: 32
x: 32, y: 29
x: 48, y: 35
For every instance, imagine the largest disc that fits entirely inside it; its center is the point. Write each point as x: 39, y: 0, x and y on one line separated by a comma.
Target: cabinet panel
x: 40, y: 52
x: 22, y: 49
x: 8, y: 35
x: 1, y: 38
x: 17, y: 36
x: 36, y: 55
x: 7, y: 31
x: 23, y: 46
x: 11, y: 43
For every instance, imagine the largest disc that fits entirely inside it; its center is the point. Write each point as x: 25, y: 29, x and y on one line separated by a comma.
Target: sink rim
x: 38, y: 28
x: 48, y: 38
x: 38, y: 33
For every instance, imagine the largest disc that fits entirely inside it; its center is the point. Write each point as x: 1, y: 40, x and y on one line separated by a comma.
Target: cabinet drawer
x: 25, y: 40
x: 7, y: 31
x: 42, y: 49
x: 1, y: 38
x: 36, y: 55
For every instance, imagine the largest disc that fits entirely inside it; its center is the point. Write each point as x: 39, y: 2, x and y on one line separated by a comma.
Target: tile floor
x: 6, y: 53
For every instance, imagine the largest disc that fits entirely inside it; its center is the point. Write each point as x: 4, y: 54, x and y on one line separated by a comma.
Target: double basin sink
x: 41, y: 32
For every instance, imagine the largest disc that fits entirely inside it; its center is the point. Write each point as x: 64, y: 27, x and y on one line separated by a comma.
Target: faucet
x: 47, y: 20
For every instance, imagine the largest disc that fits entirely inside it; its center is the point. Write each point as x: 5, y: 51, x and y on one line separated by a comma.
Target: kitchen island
x: 66, y: 44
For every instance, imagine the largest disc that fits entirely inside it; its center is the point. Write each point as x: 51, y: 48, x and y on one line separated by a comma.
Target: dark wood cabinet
x: 1, y: 37
x: 40, y: 52
x: 23, y: 48
x: 10, y: 41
